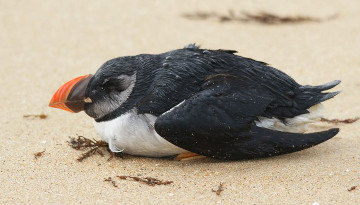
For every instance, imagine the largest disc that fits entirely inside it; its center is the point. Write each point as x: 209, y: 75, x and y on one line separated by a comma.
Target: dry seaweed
x: 89, y: 153
x: 268, y: 18
x: 82, y: 143
x: 39, y: 154
x: 40, y: 116
x: 352, y: 188
x: 260, y: 17
x: 109, y: 179
x: 147, y: 180
x: 219, y: 190
x: 337, y: 121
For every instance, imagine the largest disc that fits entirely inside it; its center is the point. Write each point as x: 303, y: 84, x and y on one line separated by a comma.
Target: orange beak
x: 71, y: 95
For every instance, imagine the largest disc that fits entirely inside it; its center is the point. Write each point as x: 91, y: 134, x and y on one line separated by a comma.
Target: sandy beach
x: 43, y: 44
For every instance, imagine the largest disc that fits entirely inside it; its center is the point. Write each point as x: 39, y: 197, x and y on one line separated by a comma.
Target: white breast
x: 135, y: 134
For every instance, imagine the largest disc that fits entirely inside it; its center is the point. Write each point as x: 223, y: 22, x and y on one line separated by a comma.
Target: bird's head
x: 99, y: 94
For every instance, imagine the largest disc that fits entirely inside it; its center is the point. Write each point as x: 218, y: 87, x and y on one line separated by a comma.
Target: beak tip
x: 61, y: 97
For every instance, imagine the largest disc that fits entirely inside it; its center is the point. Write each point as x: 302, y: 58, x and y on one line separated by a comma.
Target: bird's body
x: 210, y: 102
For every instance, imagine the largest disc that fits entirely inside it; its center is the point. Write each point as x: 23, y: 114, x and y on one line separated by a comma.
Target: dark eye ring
x: 114, y: 84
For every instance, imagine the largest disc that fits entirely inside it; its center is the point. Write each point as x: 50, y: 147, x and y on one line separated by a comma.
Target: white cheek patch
x: 114, y: 100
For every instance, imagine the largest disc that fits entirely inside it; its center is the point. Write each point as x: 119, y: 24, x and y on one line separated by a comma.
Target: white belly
x: 135, y: 134
x: 298, y: 124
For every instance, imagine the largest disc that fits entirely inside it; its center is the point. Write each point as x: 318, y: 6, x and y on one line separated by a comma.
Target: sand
x: 46, y: 43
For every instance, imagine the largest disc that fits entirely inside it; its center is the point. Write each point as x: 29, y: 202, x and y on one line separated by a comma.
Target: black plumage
x: 221, y: 96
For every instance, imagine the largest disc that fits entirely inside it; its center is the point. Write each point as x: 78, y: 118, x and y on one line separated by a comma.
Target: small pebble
x: 171, y: 194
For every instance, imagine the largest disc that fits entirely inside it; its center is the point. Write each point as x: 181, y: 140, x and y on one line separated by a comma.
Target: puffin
x: 193, y: 101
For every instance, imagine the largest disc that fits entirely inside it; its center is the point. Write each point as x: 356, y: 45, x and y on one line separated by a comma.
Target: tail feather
x: 307, y: 95
x: 326, y: 96
x: 323, y: 87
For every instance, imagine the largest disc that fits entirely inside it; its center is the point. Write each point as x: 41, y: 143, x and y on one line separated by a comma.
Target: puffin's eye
x: 115, y: 84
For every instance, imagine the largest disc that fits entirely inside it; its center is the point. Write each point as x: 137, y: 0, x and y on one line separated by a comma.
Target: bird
x: 197, y: 102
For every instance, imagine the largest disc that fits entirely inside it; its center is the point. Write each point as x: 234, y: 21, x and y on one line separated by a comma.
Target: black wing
x: 180, y: 74
x: 219, y: 122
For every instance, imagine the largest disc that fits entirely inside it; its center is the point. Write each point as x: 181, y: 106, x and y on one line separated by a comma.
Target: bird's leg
x: 187, y: 156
